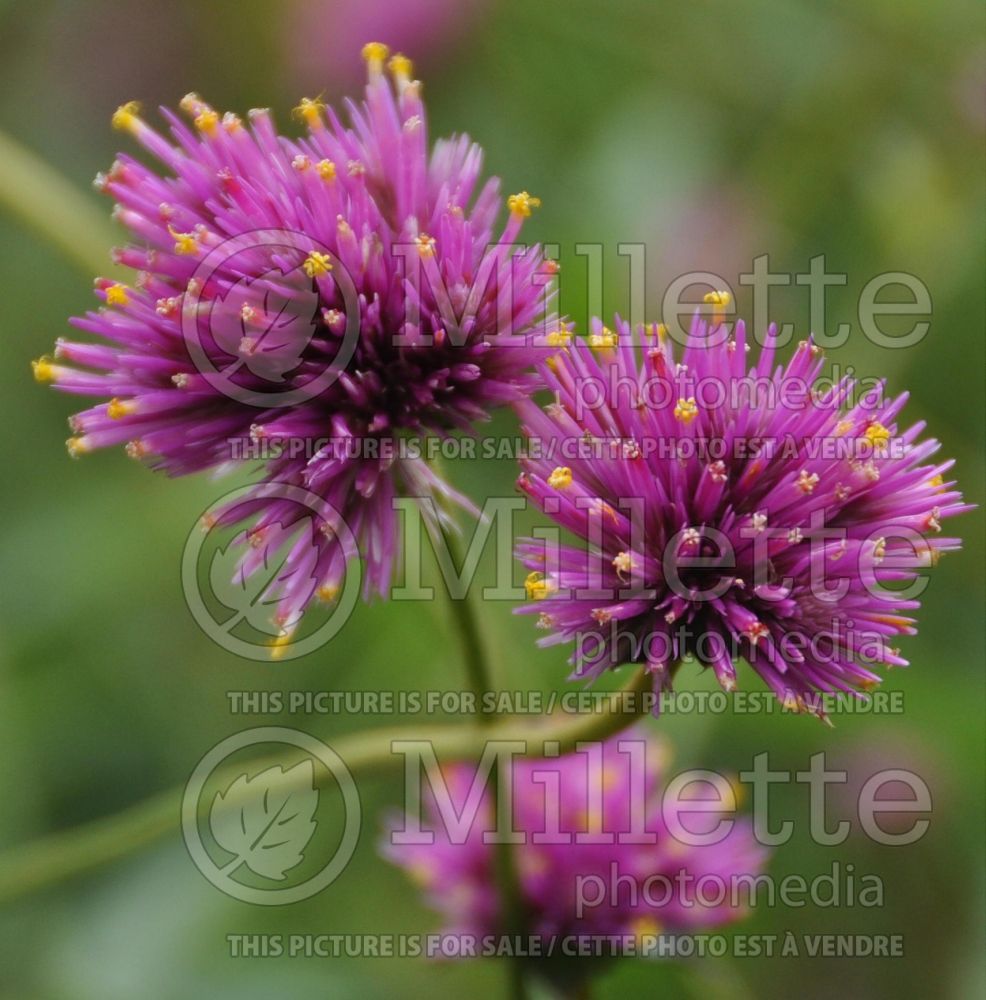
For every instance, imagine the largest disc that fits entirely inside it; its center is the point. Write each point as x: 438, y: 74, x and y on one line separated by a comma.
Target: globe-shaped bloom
x: 728, y: 510
x: 307, y: 302
x: 596, y: 857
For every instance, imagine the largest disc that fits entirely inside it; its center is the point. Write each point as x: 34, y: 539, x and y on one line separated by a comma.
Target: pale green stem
x: 468, y: 623
x: 468, y: 620
x: 59, y: 856
x: 38, y: 195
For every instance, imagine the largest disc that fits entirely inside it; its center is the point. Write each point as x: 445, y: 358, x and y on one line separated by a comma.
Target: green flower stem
x: 468, y: 620
x: 60, y: 856
x: 41, y: 198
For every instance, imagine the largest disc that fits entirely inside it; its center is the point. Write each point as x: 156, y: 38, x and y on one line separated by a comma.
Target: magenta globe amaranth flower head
x: 728, y: 510
x: 307, y: 302
x: 605, y: 850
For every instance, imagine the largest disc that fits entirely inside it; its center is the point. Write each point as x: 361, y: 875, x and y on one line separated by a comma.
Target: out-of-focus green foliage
x: 712, y: 132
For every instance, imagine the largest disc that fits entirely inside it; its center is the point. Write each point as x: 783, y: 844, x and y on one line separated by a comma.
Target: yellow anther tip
x: 560, y: 478
x: 207, y: 121
x: 279, y: 644
x: 185, y: 243
x: 537, y: 587
x: 77, y: 446
x: 43, y: 369
x: 309, y: 109
x: 605, y: 340
x: 686, y: 410
x: 401, y: 66
x: 317, y: 264
x: 117, y: 409
x: 375, y: 52
x: 126, y: 116
x: 116, y: 295
x: 876, y: 433
x: 717, y: 298
x: 523, y: 204
x: 326, y: 169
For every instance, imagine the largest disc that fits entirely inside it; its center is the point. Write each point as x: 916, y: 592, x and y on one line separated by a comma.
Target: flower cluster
x: 584, y: 817
x: 790, y: 556
x: 348, y: 285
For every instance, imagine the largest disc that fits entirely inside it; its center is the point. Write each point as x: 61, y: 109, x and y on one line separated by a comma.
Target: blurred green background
x: 712, y: 132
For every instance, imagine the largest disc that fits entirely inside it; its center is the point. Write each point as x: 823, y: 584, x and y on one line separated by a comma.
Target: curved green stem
x: 467, y: 618
x: 59, y: 856
x: 41, y: 198
x: 475, y: 657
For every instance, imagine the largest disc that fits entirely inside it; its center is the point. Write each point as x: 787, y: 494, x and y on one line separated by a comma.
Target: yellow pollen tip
x: 560, y: 478
x: 719, y: 300
x: 426, y: 245
x: 77, y: 446
x: 559, y: 338
x: 317, y: 264
x: 125, y: 117
x: 117, y: 409
x: 877, y: 434
x: 116, y: 295
x: 401, y: 66
x: 937, y: 482
x: 327, y: 594
x: 604, y: 340
x: 185, y: 243
x: 326, y: 170
x: 537, y: 587
x: 309, y: 110
x: 279, y: 645
x: 523, y: 204
x: 207, y: 121
x: 686, y: 410
x: 375, y: 53
x: 44, y: 370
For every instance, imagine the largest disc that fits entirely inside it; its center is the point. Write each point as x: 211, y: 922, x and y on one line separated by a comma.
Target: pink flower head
x: 728, y: 510
x: 315, y: 297
x: 596, y: 855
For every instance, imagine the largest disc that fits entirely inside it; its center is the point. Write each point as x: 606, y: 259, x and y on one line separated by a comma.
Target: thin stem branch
x: 476, y: 661
x: 73, y: 852
x: 41, y: 198
x: 475, y: 656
